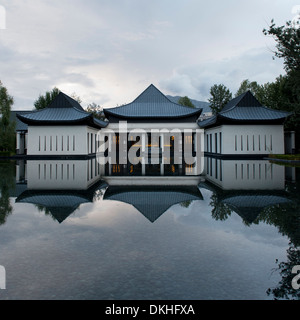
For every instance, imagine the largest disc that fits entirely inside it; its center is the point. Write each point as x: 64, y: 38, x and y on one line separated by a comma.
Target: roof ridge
x: 231, y: 104
x: 70, y: 102
x: 148, y: 89
x: 154, y: 97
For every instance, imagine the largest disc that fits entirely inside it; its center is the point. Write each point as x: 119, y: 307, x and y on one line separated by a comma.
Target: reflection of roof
x: 152, y: 201
x: 62, y: 110
x: 249, y: 206
x: 152, y: 104
x: 245, y: 108
x: 60, y: 203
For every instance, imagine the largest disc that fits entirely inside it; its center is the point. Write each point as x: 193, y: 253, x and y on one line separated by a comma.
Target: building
x: 245, y: 186
x: 153, y: 124
x: 59, y: 187
x: 63, y: 128
x: 244, y: 128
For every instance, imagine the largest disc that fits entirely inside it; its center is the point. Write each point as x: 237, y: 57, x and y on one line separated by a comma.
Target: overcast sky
x: 109, y: 51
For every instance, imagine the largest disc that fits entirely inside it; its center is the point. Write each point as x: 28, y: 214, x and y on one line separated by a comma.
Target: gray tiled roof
x: 62, y: 110
x: 152, y: 103
x: 245, y: 108
x: 152, y: 202
x: 253, y: 113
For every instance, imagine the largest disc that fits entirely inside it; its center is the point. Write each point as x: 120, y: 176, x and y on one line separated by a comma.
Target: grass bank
x: 291, y: 157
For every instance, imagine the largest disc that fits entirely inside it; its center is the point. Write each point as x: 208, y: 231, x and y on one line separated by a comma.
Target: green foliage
x: 186, y: 204
x: 7, y: 128
x: 284, y: 289
x: 285, y: 92
x: 288, y: 43
x: 256, y: 89
x: 185, y: 101
x: 43, y: 101
x: 220, y: 96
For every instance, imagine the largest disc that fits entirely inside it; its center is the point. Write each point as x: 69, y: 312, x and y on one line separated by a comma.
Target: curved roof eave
x: 254, y: 120
x: 36, y: 121
x: 123, y: 116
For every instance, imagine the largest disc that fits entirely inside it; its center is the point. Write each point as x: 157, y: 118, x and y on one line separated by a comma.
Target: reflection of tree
x: 220, y: 211
x: 186, y: 204
x: 98, y: 195
x: 5, y: 206
x: 286, y: 218
x: 284, y: 289
x: 7, y: 174
x: 44, y: 210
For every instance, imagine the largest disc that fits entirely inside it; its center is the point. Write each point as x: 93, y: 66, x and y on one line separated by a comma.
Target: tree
x: 288, y: 43
x: 288, y: 48
x: 220, y: 96
x: 7, y: 128
x: 185, y: 101
x: 256, y: 89
x: 96, y: 110
x: 76, y: 97
x: 43, y: 101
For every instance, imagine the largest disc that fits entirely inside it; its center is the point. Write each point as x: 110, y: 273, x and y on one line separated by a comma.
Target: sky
x: 108, y: 51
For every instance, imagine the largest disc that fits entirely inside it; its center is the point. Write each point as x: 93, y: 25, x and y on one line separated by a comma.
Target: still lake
x: 77, y: 230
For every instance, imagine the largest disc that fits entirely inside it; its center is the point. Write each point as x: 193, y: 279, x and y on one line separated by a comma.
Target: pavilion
x: 63, y: 128
x: 245, y: 127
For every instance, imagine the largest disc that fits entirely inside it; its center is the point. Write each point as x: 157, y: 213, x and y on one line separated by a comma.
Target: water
x: 77, y: 230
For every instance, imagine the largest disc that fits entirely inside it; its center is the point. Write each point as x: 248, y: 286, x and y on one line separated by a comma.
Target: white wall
x: 245, y: 139
x: 60, y: 140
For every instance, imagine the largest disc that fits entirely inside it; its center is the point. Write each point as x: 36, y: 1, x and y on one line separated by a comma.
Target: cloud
x: 108, y: 52
x: 196, y: 80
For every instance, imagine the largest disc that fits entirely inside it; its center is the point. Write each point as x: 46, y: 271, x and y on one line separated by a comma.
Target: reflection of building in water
x: 152, y: 196
x: 246, y: 187
x: 160, y: 166
x: 21, y: 171
x: 59, y: 203
x: 59, y: 187
x: 62, y: 174
x: 244, y: 174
